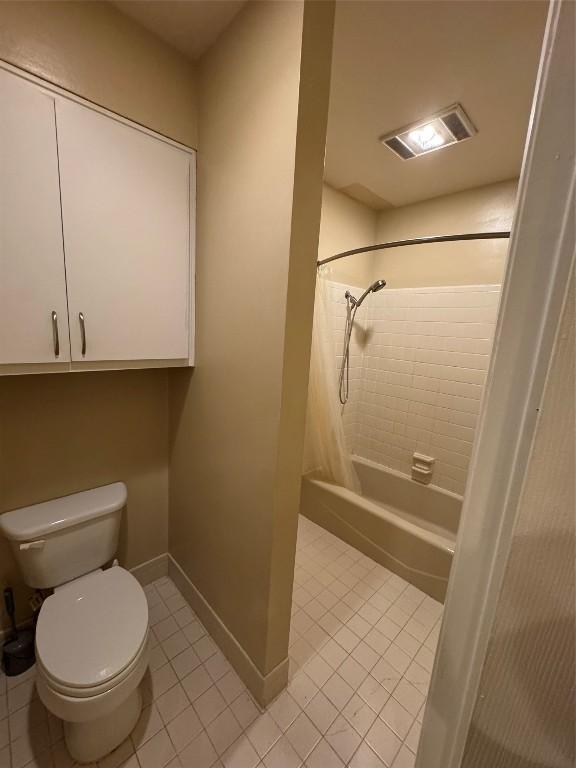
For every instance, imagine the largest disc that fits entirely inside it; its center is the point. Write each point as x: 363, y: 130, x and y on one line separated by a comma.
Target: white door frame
x: 538, y: 270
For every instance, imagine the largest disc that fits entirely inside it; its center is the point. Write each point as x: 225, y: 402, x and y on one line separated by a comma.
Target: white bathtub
x: 407, y: 527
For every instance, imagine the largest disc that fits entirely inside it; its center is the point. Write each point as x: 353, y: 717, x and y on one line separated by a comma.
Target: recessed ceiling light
x: 447, y: 127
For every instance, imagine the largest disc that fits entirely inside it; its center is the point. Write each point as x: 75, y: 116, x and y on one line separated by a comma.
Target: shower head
x: 374, y: 288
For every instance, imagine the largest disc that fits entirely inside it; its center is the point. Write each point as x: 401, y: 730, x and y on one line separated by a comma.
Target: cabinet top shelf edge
x: 56, y: 90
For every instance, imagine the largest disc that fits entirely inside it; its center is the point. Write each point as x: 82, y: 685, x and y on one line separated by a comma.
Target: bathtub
x: 407, y: 527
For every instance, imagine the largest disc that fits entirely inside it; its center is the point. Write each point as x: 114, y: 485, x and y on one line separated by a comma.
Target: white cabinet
x: 32, y: 277
x: 125, y: 204
x: 96, y: 227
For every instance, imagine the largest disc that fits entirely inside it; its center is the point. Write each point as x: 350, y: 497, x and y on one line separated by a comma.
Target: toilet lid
x: 91, y: 629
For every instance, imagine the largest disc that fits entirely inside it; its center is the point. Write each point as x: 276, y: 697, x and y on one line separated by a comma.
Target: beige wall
x: 93, y: 50
x: 483, y: 209
x: 346, y: 224
x: 238, y: 419
x: 62, y: 433
x: 524, y: 714
x: 65, y: 432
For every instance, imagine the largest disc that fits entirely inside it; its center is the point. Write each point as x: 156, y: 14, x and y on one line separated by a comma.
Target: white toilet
x: 92, y: 633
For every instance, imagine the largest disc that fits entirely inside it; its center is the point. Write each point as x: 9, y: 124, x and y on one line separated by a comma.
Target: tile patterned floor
x: 361, y: 651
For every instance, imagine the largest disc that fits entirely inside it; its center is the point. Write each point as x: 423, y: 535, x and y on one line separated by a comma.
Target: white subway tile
x: 418, y: 362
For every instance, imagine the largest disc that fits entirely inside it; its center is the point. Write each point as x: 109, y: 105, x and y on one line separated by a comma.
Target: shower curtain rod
x: 418, y: 241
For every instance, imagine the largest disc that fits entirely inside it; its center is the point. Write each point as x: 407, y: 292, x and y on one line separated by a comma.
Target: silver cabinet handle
x: 82, y: 332
x: 55, y: 334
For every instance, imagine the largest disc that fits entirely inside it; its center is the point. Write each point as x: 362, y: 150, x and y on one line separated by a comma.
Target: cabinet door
x: 32, y: 276
x: 126, y: 211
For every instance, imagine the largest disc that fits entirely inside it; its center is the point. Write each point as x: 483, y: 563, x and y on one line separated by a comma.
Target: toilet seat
x: 75, y: 692
x: 92, y: 704
x: 92, y: 632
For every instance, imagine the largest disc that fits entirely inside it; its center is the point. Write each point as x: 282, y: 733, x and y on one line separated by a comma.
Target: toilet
x: 92, y: 645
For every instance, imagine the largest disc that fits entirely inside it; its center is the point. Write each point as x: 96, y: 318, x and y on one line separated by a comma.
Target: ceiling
x: 398, y: 62
x: 190, y: 26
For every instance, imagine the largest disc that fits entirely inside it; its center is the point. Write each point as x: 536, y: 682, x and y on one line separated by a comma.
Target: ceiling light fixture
x: 449, y: 126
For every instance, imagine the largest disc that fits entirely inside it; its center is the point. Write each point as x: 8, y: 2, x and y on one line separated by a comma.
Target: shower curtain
x: 326, y: 455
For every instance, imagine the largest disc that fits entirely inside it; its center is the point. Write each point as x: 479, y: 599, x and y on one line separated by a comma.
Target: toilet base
x: 94, y: 739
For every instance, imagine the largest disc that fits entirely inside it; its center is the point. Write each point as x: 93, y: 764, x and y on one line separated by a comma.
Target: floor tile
x: 303, y: 735
x: 119, y: 757
x: 157, y: 752
x: 185, y: 662
x: 263, y: 733
x: 148, y: 724
x: 183, y: 728
x: 165, y: 628
x: 172, y: 703
x: 397, y: 658
x: 404, y: 759
x: 209, y: 705
x: 323, y: 756
x: 241, y: 755
x: 413, y: 737
x: 343, y: 739
x: 217, y: 666
x: 365, y: 757
x: 365, y: 655
x: 223, y: 731
x: 157, y: 657
x: 347, y: 639
x: 338, y: 691
x: 196, y: 683
x: 282, y: 755
x: 397, y: 718
x: 162, y: 680
x: 245, y: 711
x: 383, y: 741
x: 362, y: 643
x: 302, y: 689
x: 199, y: 753
x: 284, y: 710
x: 184, y: 616
x: 321, y: 711
x: 175, y: 644
x: 409, y: 696
x: 359, y: 714
x: 205, y: 648
x: 318, y: 670
x: 352, y: 672
x: 194, y: 631
x: 386, y: 674
x: 333, y: 653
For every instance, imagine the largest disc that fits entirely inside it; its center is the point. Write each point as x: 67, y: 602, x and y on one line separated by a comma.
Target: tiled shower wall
x: 419, y: 359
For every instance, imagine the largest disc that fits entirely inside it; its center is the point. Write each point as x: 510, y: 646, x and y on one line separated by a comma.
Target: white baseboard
x: 264, y: 688
x: 151, y: 570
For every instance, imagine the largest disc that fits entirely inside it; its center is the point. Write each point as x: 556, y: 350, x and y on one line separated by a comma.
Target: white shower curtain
x: 326, y: 455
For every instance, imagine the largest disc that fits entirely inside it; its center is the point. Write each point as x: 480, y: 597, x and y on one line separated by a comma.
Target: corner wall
x: 481, y: 262
x: 346, y: 224
x: 238, y: 419
x: 95, y: 51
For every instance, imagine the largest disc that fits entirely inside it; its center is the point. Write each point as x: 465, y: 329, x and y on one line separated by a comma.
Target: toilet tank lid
x: 48, y: 517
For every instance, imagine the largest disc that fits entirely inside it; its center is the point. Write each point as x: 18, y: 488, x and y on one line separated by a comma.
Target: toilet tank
x: 59, y: 540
